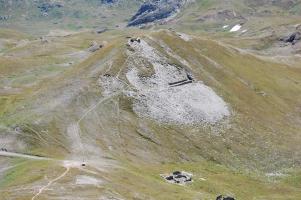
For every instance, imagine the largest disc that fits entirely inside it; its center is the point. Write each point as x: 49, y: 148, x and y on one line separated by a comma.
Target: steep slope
x: 154, y: 11
x: 104, y: 109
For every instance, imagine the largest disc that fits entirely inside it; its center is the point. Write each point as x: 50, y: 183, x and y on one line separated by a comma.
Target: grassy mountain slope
x: 64, y: 105
x: 55, y: 85
x: 39, y: 17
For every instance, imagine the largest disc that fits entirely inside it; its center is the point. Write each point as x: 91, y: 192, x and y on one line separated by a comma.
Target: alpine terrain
x: 150, y: 99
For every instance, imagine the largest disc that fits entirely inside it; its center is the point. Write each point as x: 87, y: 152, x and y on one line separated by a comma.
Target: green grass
x: 24, y: 172
x: 262, y: 135
x: 209, y: 180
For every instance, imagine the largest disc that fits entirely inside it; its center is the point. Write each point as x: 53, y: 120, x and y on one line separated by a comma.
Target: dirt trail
x: 19, y: 155
x: 77, y: 148
x: 51, y: 182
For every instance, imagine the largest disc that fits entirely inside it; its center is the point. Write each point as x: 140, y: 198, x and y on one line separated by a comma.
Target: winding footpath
x: 50, y: 183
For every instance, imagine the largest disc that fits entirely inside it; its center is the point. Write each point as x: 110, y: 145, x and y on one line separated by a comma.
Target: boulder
x: 102, y: 30
x: 95, y: 47
x: 292, y: 38
x: 176, y: 173
x: 222, y: 197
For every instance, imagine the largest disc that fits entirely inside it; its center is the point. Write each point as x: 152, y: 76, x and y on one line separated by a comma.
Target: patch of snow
x: 187, y: 104
x: 235, y: 28
x: 87, y: 180
x: 226, y: 26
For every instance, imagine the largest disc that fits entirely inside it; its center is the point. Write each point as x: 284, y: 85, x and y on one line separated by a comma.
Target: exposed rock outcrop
x: 292, y: 38
x: 4, y: 17
x: 108, y: 1
x: 155, y: 10
x: 222, y: 197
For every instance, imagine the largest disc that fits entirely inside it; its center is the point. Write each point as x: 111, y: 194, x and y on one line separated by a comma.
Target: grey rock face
x: 108, y: 1
x: 292, y: 38
x: 4, y: 18
x: 155, y: 10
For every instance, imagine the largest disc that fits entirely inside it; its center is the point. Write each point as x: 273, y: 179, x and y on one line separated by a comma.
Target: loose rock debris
x: 178, y: 177
x: 110, y: 84
x: 158, y: 96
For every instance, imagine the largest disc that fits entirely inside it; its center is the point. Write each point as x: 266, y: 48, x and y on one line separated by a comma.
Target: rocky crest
x: 155, y: 10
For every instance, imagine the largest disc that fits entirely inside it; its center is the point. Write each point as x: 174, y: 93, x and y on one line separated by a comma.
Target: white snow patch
x: 88, y: 180
x: 187, y: 104
x: 235, y: 28
x: 226, y: 26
